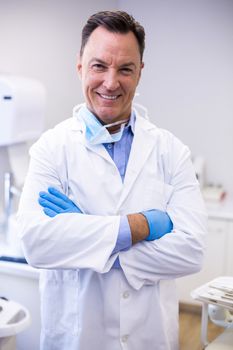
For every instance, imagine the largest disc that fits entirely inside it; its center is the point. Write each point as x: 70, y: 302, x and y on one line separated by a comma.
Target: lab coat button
x: 125, y: 295
x: 124, y: 338
x: 109, y: 146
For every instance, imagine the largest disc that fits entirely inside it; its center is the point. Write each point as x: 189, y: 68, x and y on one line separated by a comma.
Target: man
x: 119, y: 215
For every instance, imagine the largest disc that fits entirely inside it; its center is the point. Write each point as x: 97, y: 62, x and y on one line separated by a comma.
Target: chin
x: 107, y: 116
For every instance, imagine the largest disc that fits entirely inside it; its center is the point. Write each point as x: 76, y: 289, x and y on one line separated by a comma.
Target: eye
x: 126, y: 70
x: 98, y: 67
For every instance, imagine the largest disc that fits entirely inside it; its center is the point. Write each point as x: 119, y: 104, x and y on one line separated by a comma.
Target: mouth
x: 108, y: 97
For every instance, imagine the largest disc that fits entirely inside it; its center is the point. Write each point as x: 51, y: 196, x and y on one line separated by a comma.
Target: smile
x: 108, y: 97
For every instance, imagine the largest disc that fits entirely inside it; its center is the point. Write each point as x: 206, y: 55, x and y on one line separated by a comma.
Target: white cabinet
x: 218, y: 258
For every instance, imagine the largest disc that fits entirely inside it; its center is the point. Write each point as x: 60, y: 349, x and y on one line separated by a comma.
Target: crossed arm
x: 148, y: 225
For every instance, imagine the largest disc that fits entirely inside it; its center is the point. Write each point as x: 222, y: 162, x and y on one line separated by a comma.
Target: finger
x: 58, y: 194
x: 49, y: 212
x: 66, y: 202
x: 47, y: 204
x: 53, y: 199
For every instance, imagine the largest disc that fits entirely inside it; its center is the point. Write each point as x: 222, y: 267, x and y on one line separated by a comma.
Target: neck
x: 115, y: 127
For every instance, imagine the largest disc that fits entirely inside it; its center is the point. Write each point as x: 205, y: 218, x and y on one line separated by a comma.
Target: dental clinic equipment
x: 22, y: 111
x: 14, y: 318
x: 9, y: 192
x: 217, y: 305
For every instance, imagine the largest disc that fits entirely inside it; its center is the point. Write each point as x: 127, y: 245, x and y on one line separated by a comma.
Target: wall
x: 187, y: 83
x: 41, y: 39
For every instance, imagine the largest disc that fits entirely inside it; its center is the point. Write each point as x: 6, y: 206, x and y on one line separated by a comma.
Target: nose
x: 111, y: 81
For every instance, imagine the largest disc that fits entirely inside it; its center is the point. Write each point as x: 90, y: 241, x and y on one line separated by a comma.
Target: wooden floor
x: 190, y: 330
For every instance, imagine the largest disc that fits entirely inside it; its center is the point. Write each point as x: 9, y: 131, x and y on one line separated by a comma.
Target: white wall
x: 41, y: 39
x: 187, y: 82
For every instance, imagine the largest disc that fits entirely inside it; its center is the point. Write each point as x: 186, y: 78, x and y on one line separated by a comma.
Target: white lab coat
x: 85, y: 304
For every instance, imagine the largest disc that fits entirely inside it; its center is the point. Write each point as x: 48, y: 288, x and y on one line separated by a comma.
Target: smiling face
x: 110, y: 68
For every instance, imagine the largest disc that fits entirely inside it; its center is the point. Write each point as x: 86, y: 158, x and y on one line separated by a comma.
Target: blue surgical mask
x: 96, y: 133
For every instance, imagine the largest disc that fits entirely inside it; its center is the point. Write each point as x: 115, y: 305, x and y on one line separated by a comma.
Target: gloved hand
x: 54, y: 202
x: 159, y: 223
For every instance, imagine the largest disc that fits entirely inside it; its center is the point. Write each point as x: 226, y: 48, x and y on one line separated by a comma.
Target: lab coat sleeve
x: 180, y: 252
x: 71, y: 240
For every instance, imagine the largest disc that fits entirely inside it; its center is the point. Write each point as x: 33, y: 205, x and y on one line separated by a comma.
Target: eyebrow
x: 94, y: 59
x: 127, y: 64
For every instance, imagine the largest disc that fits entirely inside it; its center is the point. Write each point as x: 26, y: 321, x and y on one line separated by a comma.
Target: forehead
x: 105, y: 44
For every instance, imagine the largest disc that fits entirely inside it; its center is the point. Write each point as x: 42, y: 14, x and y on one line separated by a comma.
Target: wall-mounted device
x: 22, y: 107
x: 22, y: 114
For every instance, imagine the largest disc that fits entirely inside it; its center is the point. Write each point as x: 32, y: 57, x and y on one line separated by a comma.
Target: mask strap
x: 116, y: 123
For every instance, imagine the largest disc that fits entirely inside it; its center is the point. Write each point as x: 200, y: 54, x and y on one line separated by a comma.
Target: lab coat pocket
x: 59, y: 301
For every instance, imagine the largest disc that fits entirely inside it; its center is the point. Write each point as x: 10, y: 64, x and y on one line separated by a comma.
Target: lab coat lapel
x: 143, y: 144
x: 101, y: 151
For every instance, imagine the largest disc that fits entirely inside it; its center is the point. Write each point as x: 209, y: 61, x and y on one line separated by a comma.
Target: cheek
x: 130, y: 85
x: 130, y: 89
x: 91, y: 82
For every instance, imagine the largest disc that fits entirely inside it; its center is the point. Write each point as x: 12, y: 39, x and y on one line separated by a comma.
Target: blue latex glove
x: 54, y: 202
x: 159, y: 223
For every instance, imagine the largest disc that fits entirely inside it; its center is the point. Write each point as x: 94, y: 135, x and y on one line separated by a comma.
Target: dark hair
x: 116, y: 22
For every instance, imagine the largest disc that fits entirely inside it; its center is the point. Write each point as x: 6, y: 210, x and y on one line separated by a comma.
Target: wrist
x: 138, y: 226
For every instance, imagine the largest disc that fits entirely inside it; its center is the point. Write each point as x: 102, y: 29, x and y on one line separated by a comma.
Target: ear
x: 142, y: 66
x: 79, y: 67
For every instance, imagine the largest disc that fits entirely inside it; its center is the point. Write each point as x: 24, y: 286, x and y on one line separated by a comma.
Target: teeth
x: 108, y: 97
